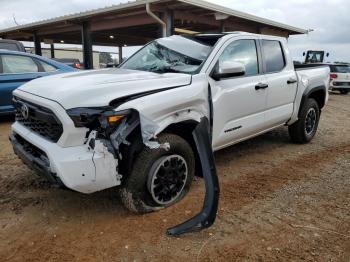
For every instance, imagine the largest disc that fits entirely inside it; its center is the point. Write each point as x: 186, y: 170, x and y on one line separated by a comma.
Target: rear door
x: 282, y: 80
x: 15, y: 71
x: 239, y: 106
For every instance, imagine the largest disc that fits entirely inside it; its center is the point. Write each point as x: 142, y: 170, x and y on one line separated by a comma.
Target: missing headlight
x: 87, y: 117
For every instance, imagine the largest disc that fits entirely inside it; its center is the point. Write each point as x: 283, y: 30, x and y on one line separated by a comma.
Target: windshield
x: 340, y: 69
x: 172, y: 54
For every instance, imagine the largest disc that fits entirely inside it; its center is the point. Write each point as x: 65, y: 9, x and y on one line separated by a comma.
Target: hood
x: 99, y: 87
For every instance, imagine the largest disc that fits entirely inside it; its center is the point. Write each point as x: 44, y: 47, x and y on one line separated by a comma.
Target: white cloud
x: 329, y: 19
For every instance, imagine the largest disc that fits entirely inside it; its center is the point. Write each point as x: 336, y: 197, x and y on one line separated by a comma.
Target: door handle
x: 261, y: 86
x: 291, y: 81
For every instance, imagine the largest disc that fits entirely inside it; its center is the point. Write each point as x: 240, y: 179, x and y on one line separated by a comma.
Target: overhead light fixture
x: 62, y: 41
x: 125, y: 45
x: 220, y: 16
x: 111, y: 36
x: 185, y: 31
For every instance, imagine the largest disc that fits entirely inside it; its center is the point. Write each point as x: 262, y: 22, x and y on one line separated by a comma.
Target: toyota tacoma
x: 151, y: 125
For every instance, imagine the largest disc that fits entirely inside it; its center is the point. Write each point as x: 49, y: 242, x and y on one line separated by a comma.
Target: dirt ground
x: 279, y: 202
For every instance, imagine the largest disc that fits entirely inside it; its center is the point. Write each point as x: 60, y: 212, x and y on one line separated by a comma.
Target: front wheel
x: 159, y: 178
x: 304, y: 130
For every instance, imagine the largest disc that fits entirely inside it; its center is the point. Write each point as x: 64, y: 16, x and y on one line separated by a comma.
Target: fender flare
x: 308, y: 91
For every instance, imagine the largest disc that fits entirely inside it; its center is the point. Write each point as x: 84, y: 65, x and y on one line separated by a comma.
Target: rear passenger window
x: 242, y: 51
x: 18, y: 64
x: 47, y: 67
x: 274, y: 57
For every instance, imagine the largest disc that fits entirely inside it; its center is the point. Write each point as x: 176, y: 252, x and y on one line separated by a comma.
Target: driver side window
x: 242, y: 51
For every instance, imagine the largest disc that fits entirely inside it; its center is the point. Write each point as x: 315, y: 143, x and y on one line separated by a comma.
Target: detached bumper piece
x: 208, y: 214
x: 34, y: 158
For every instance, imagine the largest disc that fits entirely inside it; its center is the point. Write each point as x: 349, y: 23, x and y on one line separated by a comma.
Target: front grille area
x: 39, y: 119
x: 32, y: 150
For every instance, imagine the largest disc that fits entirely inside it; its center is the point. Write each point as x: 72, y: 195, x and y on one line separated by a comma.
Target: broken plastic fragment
x: 211, y: 202
x: 156, y: 145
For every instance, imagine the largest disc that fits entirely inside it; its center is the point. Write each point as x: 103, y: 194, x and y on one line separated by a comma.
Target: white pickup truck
x: 152, y: 124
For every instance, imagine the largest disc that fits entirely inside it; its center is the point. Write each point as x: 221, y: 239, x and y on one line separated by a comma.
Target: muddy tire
x: 304, y: 130
x: 159, y: 178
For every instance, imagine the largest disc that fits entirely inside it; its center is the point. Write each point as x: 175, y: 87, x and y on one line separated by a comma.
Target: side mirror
x: 228, y: 69
x: 304, y: 54
x: 327, y: 55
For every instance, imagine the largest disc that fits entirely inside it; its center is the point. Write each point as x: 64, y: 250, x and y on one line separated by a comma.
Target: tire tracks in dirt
x: 251, y: 187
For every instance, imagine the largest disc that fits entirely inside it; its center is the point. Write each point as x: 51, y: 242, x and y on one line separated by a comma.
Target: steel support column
x: 52, y: 49
x: 169, y: 20
x: 222, y: 26
x: 120, y: 54
x: 87, y: 45
x: 37, y: 44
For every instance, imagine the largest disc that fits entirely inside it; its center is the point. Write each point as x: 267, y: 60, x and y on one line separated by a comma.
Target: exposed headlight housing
x: 96, y: 117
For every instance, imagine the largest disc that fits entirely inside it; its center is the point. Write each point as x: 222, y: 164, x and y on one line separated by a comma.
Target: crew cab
x: 144, y: 127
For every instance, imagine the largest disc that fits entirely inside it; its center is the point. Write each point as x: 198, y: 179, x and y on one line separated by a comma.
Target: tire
x: 344, y: 91
x: 139, y: 192
x: 304, y: 130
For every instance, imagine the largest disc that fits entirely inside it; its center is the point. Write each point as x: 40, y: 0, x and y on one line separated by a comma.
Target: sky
x: 330, y: 20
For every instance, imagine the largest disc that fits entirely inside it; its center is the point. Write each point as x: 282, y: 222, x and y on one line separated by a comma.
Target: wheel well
x: 319, y: 96
x: 184, y: 130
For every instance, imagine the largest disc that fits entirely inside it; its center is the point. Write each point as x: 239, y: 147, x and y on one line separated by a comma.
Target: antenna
x: 14, y: 19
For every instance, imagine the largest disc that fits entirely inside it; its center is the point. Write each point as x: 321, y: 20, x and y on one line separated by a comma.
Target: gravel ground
x: 279, y: 202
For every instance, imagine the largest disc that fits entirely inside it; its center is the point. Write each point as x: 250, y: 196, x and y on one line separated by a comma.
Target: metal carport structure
x: 138, y: 22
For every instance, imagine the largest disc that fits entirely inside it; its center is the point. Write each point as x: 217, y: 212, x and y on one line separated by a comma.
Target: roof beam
x: 187, y: 16
x: 59, y: 30
x: 121, y: 22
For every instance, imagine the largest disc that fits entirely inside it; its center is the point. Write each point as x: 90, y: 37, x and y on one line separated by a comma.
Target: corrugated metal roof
x: 232, y: 12
x: 130, y: 4
x: 79, y: 15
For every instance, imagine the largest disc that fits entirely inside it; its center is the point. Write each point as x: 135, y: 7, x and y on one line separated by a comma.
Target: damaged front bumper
x: 79, y: 168
x: 94, y: 166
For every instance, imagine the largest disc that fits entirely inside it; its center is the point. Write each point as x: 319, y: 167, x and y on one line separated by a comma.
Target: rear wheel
x: 304, y: 130
x: 159, y: 178
x: 344, y: 91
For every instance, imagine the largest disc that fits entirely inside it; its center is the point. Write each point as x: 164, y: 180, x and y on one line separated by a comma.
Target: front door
x: 239, y: 102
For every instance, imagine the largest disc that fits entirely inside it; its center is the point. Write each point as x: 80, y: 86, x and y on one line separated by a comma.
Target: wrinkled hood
x: 99, y: 87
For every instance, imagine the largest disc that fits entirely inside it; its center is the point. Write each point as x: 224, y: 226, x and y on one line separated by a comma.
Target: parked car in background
x: 340, y: 78
x: 72, y: 62
x: 12, y: 45
x: 17, y: 68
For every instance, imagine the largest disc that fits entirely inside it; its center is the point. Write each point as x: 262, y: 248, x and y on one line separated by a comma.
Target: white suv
x: 340, y: 78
